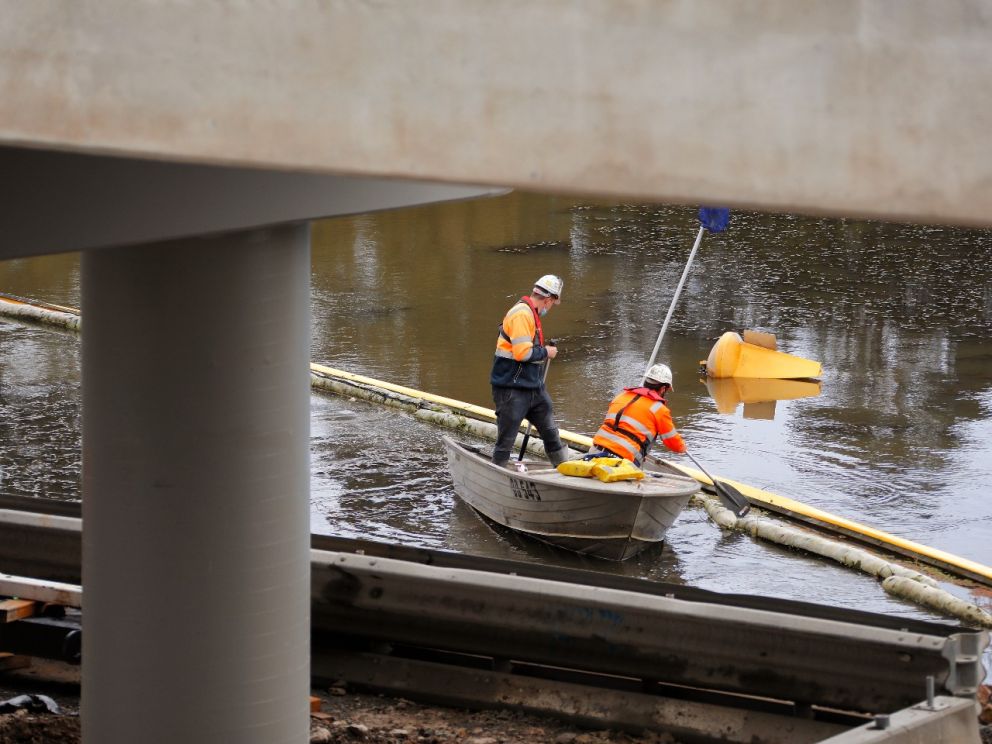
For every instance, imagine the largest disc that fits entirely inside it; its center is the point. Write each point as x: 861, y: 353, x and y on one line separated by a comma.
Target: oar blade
x: 732, y: 498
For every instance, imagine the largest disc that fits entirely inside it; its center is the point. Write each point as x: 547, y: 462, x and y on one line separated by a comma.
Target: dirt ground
x: 374, y: 720
x: 344, y: 716
x: 350, y: 717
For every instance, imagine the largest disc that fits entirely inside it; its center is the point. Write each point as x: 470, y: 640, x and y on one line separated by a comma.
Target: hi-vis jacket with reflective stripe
x: 637, y: 417
x: 520, y: 348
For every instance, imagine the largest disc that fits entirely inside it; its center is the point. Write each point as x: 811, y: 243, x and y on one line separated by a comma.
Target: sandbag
x: 606, y: 469
x: 616, y: 469
x: 578, y: 468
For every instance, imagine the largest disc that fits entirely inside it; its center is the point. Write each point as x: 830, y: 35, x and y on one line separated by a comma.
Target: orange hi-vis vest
x: 635, y: 419
x: 520, y: 353
x: 520, y: 332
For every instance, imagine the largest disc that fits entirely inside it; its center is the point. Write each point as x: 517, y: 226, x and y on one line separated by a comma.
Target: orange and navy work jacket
x: 635, y: 419
x: 520, y: 351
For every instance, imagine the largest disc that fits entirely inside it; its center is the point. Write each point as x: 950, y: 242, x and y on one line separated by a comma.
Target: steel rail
x: 44, y: 536
x: 803, y: 658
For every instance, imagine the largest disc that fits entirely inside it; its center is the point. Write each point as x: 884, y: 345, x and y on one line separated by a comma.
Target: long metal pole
x: 671, y: 309
x: 523, y: 445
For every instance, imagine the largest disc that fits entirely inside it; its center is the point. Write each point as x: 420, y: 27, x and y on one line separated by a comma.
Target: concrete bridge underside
x: 172, y: 141
x: 844, y: 107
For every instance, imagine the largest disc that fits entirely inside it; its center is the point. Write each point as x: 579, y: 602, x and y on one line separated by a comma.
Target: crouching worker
x: 518, y: 371
x: 636, y: 418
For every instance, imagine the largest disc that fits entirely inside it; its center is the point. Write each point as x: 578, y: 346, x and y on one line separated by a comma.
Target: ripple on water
x: 40, y: 416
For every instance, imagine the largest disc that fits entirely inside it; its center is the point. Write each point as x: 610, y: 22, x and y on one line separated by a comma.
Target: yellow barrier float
x: 756, y: 355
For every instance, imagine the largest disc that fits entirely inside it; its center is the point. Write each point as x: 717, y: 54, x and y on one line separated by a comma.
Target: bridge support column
x: 195, y: 490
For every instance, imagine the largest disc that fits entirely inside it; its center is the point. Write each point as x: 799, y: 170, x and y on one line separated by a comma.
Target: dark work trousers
x: 513, y: 405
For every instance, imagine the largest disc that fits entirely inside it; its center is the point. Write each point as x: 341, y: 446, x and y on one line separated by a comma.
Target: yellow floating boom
x: 767, y: 500
x: 817, y: 517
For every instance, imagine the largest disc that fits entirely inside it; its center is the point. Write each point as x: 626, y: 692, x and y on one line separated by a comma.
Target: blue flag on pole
x: 714, y: 219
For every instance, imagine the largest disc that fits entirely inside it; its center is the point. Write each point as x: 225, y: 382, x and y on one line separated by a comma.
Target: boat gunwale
x: 625, y: 488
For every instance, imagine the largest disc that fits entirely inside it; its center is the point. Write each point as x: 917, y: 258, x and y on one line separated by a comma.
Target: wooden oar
x: 730, y: 496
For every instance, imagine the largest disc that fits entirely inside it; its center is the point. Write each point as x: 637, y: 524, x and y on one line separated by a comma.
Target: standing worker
x: 636, y: 418
x: 518, y: 373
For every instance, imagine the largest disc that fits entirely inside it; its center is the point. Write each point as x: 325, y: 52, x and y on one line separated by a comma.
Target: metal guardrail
x: 592, y: 647
x: 39, y: 545
x: 801, y: 658
x: 476, y: 681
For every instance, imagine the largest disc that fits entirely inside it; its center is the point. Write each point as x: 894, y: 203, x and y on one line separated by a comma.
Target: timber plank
x: 15, y: 609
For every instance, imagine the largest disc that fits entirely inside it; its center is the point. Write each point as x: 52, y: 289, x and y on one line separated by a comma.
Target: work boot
x: 558, y: 456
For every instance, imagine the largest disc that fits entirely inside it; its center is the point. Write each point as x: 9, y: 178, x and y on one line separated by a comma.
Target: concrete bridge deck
x: 842, y: 107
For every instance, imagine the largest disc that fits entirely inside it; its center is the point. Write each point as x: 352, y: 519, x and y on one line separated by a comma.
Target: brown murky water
x: 900, y: 317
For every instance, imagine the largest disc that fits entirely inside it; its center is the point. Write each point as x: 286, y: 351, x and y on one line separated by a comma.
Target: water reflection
x: 758, y: 395
x: 40, y: 421
x: 52, y: 279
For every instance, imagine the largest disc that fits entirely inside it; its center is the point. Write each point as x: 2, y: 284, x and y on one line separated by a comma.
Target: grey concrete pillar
x: 195, y: 490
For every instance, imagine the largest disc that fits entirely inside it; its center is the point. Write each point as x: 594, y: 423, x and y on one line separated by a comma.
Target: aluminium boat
x: 614, y: 521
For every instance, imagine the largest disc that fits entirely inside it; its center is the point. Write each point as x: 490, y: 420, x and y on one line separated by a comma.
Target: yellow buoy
x: 733, y: 356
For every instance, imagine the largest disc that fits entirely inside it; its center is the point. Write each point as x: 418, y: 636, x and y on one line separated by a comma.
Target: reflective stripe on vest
x: 667, y: 435
x: 645, y: 438
x: 505, y: 344
x: 619, y: 444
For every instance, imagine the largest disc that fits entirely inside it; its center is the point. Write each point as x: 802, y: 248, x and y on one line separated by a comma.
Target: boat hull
x: 614, y: 521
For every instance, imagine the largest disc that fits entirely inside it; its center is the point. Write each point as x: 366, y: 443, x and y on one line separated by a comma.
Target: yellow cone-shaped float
x: 733, y: 356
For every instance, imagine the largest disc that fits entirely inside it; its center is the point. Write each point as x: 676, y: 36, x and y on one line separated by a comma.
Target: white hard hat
x: 550, y: 284
x: 660, y: 373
